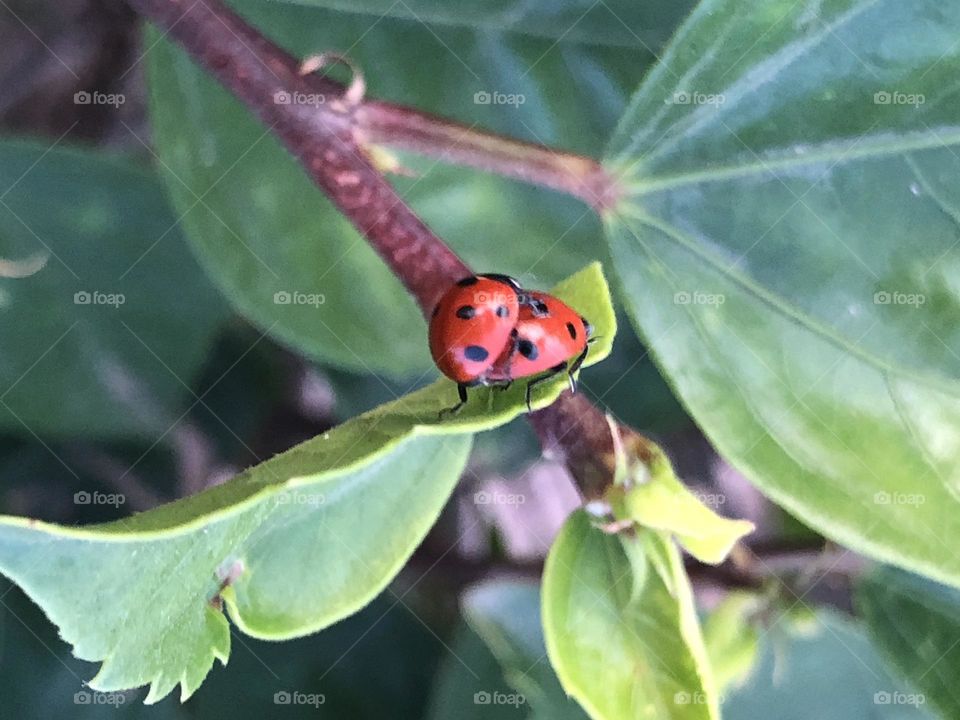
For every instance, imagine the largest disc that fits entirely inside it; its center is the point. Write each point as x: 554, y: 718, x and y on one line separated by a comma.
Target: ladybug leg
x: 574, y: 366
x: 462, y: 392
x: 551, y: 373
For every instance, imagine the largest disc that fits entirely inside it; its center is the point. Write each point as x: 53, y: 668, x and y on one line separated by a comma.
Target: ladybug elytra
x: 486, y: 330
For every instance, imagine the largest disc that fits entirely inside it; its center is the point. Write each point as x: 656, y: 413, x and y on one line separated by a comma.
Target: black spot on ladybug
x: 467, y: 281
x: 436, y: 309
x: 503, y: 311
x: 465, y: 312
x: 572, y: 330
x: 527, y: 349
x: 475, y: 353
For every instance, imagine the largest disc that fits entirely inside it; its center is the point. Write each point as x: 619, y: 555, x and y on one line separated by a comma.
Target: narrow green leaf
x: 732, y: 639
x: 656, y: 499
x: 916, y: 624
x: 624, y: 649
x: 290, y: 546
x: 96, y: 339
x: 787, y: 247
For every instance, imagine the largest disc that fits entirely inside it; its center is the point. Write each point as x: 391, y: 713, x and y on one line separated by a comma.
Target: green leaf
x: 916, y: 624
x: 624, y: 641
x: 732, y: 639
x: 833, y: 673
x: 297, y: 542
x: 106, y: 337
x: 262, y: 228
x: 469, y: 679
x: 787, y: 247
x: 653, y: 497
x: 613, y: 22
x: 506, y: 615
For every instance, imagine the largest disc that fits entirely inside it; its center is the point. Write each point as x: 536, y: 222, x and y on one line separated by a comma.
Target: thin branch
x: 400, y: 127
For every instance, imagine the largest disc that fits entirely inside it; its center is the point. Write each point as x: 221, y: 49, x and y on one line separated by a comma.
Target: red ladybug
x: 471, y: 326
x: 548, y: 334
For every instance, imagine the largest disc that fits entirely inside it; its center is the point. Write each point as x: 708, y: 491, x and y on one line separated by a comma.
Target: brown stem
x: 329, y: 141
x: 576, y: 175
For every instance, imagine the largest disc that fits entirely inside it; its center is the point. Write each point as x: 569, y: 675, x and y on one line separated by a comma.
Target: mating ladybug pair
x: 487, y: 330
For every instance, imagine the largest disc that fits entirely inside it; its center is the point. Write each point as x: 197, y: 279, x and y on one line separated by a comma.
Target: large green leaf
x: 290, y: 546
x: 832, y: 673
x: 916, y: 623
x: 788, y: 247
x: 613, y: 22
x: 261, y: 227
x: 621, y: 628
x: 104, y: 339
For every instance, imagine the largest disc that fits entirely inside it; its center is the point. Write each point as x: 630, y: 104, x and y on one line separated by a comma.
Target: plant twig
x: 329, y: 141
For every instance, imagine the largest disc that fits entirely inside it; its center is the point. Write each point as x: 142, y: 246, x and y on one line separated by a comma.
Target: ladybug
x: 547, y: 336
x: 471, y: 326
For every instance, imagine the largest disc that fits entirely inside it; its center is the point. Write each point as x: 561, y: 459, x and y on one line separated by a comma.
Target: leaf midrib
x: 832, y: 153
